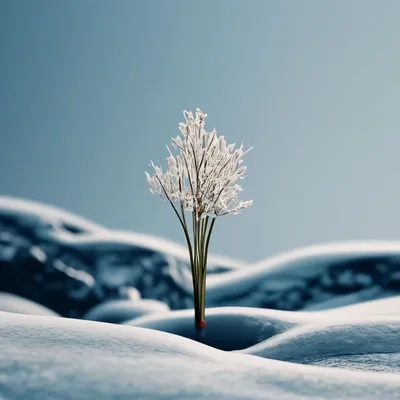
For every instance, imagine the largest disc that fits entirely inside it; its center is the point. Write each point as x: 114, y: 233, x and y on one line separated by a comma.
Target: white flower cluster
x: 203, y: 176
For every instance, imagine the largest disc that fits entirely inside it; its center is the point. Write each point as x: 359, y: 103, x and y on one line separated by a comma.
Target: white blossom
x: 203, y: 176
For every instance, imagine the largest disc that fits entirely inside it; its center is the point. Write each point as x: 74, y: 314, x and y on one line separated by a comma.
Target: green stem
x: 208, y: 242
x: 194, y: 237
x: 182, y: 221
x: 198, y: 234
x: 190, y: 246
x: 203, y: 236
x: 203, y: 246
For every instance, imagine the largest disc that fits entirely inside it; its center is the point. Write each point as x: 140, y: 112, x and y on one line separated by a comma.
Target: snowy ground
x: 315, y: 323
x: 56, y: 358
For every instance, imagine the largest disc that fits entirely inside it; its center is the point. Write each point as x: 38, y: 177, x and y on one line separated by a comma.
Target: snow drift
x: 47, y: 358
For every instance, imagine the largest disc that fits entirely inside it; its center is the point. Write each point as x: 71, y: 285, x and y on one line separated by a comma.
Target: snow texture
x: 387, y: 306
x: 228, y: 328
x: 343, y: 342
x: 57, y: 358
x: 47, y: 215
x: 16, y: 304
x: 116, y: 311
x: 305, y: 344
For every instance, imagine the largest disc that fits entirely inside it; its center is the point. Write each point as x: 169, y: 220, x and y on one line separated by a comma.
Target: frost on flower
x: 203, y: 175
x: 202, y: 178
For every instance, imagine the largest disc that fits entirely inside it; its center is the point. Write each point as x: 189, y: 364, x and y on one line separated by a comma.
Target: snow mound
x: 31, y: 212
x: 386, y: 306
x: 228, y: 328
x: 365, y: 270
x: 379, y: 362
x: 16, y: 304
x: 70, y: 264
x: 64, y: 358
x: 369, y: 294
x: 315, y: 342
x: 117, y: 311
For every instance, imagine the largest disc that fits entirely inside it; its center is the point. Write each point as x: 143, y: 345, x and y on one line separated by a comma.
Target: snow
x: 228, y: 328
x: 290, y: 336
x: 16, y: 304
x: 312, y: 342
x: 113, y: 239
x: 34, y: 211
x: 73, y: 359
x: 57, y: 217
x: 373, y: 292
x: 293, y: 280
x: 390, y: 305
x: 116, y: 311
x: 379, y: 362
x: 297, y: 265
x: 244, y: 352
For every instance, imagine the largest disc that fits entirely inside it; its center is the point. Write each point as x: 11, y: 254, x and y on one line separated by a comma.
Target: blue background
x: 90, y: 91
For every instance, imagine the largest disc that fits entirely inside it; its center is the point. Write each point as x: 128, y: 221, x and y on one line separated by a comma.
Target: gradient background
x: 90, y: 91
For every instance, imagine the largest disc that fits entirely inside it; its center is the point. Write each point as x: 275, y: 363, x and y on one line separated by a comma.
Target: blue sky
x: 91, y: 91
